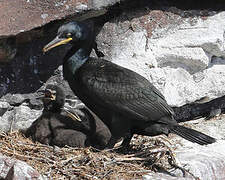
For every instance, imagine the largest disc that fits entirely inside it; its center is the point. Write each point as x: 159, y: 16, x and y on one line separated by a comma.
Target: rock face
x: 17, y: 15
x: 183, y: 58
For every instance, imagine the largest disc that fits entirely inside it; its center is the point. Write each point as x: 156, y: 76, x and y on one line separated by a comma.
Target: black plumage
x: 127, y: 102
x: 56, y: 127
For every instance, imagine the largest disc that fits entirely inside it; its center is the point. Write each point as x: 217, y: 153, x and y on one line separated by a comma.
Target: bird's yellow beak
x: 56, y: 42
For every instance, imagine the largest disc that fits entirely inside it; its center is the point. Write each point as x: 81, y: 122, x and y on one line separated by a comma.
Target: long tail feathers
x: 192, y: 135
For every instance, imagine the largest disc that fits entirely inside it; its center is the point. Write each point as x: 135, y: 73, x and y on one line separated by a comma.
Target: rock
x: 184, y: 58
x: 18, y: 99
x: 15, y: 169
x: 203, y: 162
x: 210, y: 159
x: 4, y: 106
x: 24, y: 116
x: 18, y: 118
x: 14, y: 99
x: 19, y: 13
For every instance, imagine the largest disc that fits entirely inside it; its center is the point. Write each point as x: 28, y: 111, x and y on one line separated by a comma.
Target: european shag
x: 124, y: 100
x: 56, y: 127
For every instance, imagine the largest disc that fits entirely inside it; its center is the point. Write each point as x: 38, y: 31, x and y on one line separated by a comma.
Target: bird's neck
x: 53, y: 107
x: 76, y: 61
x: 73, y: 61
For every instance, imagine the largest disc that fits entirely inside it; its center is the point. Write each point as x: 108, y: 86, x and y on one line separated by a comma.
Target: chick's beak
x: 56, y: 42
x: 53, y: 97
x: 72, y: 115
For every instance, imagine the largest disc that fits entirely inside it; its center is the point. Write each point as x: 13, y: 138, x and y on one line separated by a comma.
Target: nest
x: 145, y: 156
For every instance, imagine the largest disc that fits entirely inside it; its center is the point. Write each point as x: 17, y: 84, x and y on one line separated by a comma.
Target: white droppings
x: 81, y: 7
x: 57, y: 4
x: 44, y: 16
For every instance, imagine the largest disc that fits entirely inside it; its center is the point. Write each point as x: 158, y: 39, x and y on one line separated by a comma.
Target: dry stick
x: 27, y: 144
x: 106, y: 174
x: 67, y: 160
x: 72, y: 148
x: 83, y: 174
x: 142, y: 171
x: 28, y: 157
x: 131, y: 159
x: 36, y: 145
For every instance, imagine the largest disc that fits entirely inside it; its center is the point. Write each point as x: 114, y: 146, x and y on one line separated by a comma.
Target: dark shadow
x: 198, y: 110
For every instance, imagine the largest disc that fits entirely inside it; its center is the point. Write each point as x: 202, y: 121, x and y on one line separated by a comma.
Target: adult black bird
x: 127, y: 102
x: 58, y: 126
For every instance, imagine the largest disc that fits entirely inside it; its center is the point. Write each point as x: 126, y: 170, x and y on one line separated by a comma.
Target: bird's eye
x: 68, y: 35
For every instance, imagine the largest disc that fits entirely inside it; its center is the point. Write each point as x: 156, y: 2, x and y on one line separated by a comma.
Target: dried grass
x: 146, y: 155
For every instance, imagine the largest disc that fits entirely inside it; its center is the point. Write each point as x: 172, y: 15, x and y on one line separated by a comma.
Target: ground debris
x: 145, y: 156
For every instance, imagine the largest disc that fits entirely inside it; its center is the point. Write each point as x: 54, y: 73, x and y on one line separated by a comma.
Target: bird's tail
x: 192, y: 135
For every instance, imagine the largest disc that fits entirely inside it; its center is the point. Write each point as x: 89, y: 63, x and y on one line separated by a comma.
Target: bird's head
x: 53, y: 98
x: 72, y: 32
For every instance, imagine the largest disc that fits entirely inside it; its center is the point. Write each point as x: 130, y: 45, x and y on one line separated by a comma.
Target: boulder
x: 184, y: 58
x: 12, y: 169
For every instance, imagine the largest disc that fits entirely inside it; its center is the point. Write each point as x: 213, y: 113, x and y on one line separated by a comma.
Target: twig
x: 36, y: 145
x: 28, y: 157
x: 142, y: 171
x: 131, y: 159
x: 107, y: 173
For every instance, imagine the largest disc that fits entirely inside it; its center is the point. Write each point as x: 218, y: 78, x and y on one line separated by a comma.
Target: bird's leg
x: 126, y: 140
x: 120, y: 127
x: 111, y: 142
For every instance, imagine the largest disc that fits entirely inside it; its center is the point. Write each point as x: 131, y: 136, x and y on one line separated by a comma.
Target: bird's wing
x: 124, y: 91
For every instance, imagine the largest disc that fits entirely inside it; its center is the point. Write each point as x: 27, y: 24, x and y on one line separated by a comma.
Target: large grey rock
x: 184, y: 58
x: 13, y: 169
x: 18, y: 118
x: 4, y: 106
